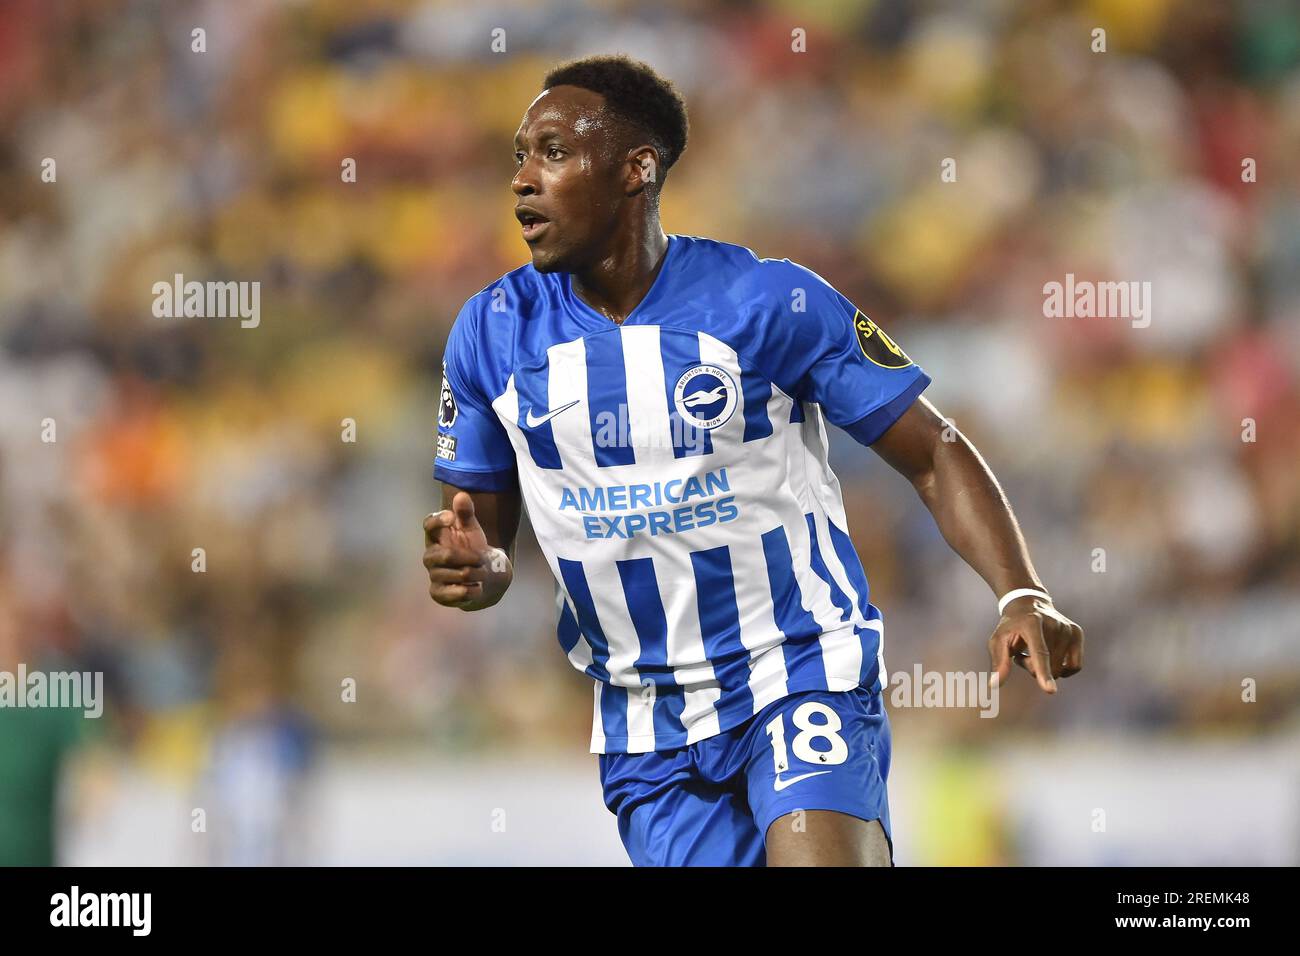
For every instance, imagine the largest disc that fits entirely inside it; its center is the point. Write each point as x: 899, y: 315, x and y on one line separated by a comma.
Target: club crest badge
x: 705, y: 396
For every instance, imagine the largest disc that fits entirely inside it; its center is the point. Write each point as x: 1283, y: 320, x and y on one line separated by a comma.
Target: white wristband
x: 1019, y: 593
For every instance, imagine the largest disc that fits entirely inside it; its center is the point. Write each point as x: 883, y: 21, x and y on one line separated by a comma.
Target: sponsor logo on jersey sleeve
x: 876, y: 345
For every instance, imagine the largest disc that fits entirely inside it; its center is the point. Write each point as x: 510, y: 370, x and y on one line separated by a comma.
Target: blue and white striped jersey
x: 674, y: 469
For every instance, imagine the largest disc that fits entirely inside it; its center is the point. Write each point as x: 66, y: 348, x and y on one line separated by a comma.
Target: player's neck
x: 617, y: 282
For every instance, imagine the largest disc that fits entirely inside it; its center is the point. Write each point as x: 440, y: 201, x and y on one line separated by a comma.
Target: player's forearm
x: 975, y: 517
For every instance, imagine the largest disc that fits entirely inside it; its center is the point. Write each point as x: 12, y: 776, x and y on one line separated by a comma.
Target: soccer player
x: 659, y: 404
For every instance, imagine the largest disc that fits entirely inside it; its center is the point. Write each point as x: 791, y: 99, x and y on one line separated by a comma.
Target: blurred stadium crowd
x: 1170, y: 538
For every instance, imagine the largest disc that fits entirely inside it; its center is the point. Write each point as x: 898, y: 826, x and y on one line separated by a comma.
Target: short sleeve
x: 473, y: 450
x: 839, y: 358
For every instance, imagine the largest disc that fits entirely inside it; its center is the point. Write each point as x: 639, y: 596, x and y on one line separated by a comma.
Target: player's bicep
x: 836, y: 356
x: 910, y: 443
x: 473, y: 450
x: 863, y: 380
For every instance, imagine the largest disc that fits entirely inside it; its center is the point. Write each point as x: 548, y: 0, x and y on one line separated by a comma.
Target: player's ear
x: 643, y: 168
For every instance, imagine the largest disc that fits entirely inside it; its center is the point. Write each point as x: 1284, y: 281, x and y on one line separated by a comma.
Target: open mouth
x: 534, y: 223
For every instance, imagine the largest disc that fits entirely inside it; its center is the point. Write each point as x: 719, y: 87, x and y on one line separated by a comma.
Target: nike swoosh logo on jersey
x: 778, y: 784
x: 534, y: 422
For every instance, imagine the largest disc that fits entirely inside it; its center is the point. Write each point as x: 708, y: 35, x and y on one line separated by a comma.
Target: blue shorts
x: 710, y: 803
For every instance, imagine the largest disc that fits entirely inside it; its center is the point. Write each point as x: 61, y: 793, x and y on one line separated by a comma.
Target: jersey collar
x: 637, y: 315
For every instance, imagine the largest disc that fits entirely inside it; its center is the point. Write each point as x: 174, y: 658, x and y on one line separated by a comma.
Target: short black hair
x: 635, y: 93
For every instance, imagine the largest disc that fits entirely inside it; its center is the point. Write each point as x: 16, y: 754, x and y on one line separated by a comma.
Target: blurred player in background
x: 36, y: 746
x: 658, y: 402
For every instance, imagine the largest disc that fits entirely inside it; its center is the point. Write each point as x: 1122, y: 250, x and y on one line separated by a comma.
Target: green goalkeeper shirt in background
x: 34, y: 745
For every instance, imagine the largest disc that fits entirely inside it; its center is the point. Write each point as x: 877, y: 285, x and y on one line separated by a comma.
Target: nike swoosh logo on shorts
x: 534, y: 422
x: 778, y: 784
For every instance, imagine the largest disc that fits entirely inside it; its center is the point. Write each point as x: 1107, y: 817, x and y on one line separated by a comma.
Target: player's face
x: 568, y: 185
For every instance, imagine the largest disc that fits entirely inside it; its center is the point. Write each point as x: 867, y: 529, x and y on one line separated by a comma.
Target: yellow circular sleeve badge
x: 876, y: 345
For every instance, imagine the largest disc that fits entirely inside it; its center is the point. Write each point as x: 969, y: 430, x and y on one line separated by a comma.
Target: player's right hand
x: 464, y: 570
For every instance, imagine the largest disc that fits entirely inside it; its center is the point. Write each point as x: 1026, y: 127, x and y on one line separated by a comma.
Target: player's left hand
x: 1039, y: 638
